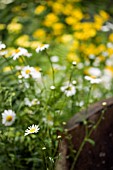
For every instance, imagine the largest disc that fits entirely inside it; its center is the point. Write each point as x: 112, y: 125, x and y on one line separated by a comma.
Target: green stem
x: 24, y: 60
x: 78, y: 153
x: 53, y: 73
x: 98, y: 122
x: 88, y: 99
x: 71, y: 75
x: 10, y: 66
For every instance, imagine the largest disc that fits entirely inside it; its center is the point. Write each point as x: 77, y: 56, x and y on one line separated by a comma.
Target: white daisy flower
x: 8, y: 117
x: 2, y: 46
x: 94, y: 71
x: 93, y: 80
x: 28, y: 72
x: 35, y: 74
x: 41, y: 48
x: 31, y: 129
x: 68, y: 89
x: 105, y: 28
x: 21, y: 52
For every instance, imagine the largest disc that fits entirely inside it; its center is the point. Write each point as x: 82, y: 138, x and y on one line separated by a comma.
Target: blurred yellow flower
x: 110, y: 51
x: 2, y: 26
x: 39, y: 9
x: 77, y: 26
x: 85, y: 34
x: 91, y: 48
x: 101, y: 48
x: 74, y: 45
x: 57, y: 7
x: 88, y: 49
x: 50, y: 19
x: 104, y: 15
x: 60, y: 1
x: 39, y: 33
x: 34, y: 44
x: 66, y: 38
x: 111, y: 37
x: 68, y: 8
x: 101, y: 58
x: 77, y: 14
x: 98, y: 22
x: 6, y: 69
x: 84, y: 31
x: 58, y: 28
x: 110, y: 68
x: 14, y: 27
x: 10, y: 51
x: 50, y: 3
x: 24, y: 38
x: 73, y: 57
x: 70, y: 20
x: 87, y: 25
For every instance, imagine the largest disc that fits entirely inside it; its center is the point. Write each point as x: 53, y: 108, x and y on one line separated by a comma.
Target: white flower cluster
x: 21, y: 52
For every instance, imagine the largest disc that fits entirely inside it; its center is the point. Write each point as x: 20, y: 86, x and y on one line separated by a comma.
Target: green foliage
x: 49, y: 87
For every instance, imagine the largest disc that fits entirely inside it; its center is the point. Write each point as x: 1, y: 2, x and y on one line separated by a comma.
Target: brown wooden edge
x: 73, y: 123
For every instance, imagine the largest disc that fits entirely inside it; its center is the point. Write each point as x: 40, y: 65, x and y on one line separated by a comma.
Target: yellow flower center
x: 17, y: 50
x: 9, y: 118
x: 27, y: 71
x: 41, y: 45
x: 32, y: 130
x: 94, y: 77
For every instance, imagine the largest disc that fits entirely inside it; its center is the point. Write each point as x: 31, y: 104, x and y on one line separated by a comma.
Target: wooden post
x: 92, y: 157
